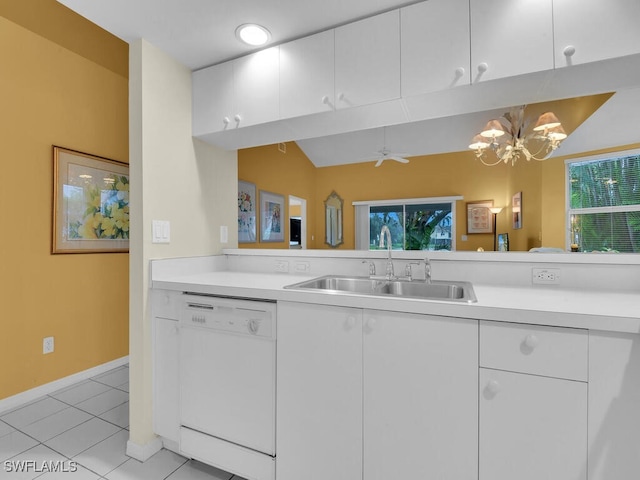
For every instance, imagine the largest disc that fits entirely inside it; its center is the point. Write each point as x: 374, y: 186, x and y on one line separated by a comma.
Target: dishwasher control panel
x: 245, y: 317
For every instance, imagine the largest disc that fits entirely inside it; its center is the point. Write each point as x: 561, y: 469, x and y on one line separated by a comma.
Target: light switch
x: 161, y: 231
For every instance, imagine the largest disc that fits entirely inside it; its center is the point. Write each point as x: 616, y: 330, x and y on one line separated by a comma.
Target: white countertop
x: 608, y: 311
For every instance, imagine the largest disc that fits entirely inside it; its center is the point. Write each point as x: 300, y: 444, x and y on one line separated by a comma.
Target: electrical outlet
x: 301, y: 267
x: 282, y: 266
x: 545, y: 276
x: 47, y: 345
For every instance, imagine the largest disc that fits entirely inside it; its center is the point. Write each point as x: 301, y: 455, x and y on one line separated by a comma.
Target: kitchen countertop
x: 607, y: 311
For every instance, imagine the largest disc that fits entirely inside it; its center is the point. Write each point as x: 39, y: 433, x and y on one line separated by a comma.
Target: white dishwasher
x: 227, y: 384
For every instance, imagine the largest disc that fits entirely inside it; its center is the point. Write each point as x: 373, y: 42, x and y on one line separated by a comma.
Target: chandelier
x: 506, y: 140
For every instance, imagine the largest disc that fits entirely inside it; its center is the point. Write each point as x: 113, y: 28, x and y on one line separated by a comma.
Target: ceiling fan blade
x: 398, y: 159
x: 379, y: 162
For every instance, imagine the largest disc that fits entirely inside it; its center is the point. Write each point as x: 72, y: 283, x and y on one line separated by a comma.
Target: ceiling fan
x: 386, y: 154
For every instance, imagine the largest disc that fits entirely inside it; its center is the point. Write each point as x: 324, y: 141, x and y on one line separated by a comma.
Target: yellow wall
x: 50, y: 94
x: 425, y: 176
x: 289, y: 173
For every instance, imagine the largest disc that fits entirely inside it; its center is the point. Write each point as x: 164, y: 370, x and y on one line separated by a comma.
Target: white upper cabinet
x: 435, y: 46
x: 306, y: 75
x: 257, y: 88
x: 213, y: 99
x: 510, y: 37
x: 367, y: 56
x: 238, y: 93
x: 593, y: 30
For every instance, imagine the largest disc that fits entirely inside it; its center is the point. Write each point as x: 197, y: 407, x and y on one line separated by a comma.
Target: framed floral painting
x: 90, y: 203
x: 271, y: 215
x: 246, y: 212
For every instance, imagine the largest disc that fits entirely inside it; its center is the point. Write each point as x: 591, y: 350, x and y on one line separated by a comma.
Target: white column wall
x: 174, y: 177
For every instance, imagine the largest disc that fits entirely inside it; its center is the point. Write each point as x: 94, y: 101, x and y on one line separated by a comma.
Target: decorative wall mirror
x: 333, y: 220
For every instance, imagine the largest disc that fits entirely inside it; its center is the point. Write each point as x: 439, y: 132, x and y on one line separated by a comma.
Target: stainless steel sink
x: 435, y: 290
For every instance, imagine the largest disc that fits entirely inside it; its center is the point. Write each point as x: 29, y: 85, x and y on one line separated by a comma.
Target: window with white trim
x: 415, y: 224
x: 604, y: 203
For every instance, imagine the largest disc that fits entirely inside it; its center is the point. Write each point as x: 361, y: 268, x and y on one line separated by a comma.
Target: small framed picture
x: 271, y: 217
x: 247, y: 203
x: 479, y: 218
x: 516, y: 210
x: 90, y: 203
x: 503, y: 242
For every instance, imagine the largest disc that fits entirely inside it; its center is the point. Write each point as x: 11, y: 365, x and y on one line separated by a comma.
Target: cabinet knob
x: 531, y: 341
x: 237, y: 118
x: 569, y: 50
x: 176, y: 330
x: 325, y: 99
x: 483, y: 67
x: 493, y: 388
x: 351, y: 322
x: 371, y: 323
x: 460, y: 72
x: 226, y: 120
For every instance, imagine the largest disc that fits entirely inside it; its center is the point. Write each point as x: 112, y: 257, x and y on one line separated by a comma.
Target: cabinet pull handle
x: 568, y: 52
x: 531, y: 341
x: 493, y: 388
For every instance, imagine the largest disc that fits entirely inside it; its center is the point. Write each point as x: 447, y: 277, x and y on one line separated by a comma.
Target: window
x: 415, y: 224
x: 604, y: 203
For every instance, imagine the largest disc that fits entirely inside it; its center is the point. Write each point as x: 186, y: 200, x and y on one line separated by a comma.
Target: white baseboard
x: 144, y: 452
x: 30, y: 395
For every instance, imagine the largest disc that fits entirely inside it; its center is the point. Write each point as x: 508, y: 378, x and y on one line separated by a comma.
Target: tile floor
x: 84, y: 428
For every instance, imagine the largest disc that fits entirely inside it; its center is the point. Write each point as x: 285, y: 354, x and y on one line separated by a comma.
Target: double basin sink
x: 397, y: 288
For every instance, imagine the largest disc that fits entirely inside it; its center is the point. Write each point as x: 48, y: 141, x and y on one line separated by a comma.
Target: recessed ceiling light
x: 252, y: 34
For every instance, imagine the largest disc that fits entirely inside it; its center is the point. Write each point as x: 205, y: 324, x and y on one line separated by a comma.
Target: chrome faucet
x: 427, y: 270
x: 385, y: 231
x: 408, y: 273
x: 372, y: 267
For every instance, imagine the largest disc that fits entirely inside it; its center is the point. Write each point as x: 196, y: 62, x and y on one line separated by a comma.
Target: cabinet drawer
x: 549, y: 351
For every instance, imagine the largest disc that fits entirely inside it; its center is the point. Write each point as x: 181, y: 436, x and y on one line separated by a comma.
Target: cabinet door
x: 368, y: 60
x: 420, y: 397
x: 614, y: 397
x: 213, y: 99
x: 319, y: 392
x: 306, y: 75
x: 166, y: 389
x: 532, y: 427
x: 510, y: 37
x: 256, y: 87
x: 435, y: 46
x: 595, y: 30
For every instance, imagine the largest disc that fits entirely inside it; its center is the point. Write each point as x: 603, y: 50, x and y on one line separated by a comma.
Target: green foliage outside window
x: 605, y: 204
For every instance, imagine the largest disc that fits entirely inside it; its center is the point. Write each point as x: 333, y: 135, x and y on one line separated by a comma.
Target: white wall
x: 191, y: 184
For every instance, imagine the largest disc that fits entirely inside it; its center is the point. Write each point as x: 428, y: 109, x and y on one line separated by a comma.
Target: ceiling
x: 200, y: 33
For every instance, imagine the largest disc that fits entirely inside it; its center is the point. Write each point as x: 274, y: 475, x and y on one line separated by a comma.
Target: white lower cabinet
x: 375, y: 395
x: 533, y: 402
x: 532, y: 427
x: 166, y: 390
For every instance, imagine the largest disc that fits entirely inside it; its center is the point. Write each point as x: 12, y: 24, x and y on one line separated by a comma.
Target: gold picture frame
x: 90, y: 203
